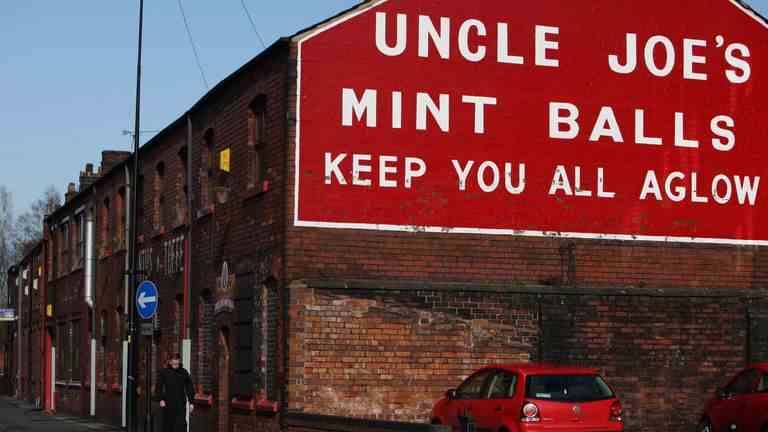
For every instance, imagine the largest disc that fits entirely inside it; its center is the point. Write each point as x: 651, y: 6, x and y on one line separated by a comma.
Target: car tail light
x: 530, y: 413
x: 616, y: 411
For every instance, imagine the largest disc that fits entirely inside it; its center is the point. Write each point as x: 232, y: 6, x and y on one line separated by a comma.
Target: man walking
x: 175, y: 389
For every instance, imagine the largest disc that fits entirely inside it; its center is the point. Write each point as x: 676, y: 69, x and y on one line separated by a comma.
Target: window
x: 62, y: 339
x: 270, y: 348
x: 64, y: 249
x: 158, y: 217
x: 182, y: 188
x: 117, y: 368
x: 762, y: 387
x: 205, y: 342
x: 49, y: 259
x: 744, y: 383
x: 207, y: 169
x: 256, y: 140
x: 503, y: 385
x: 102, y: 354
x: 178, y: 317
x: 472, y: 388
x: 243, y: 344
x: 570, y: 388
x: 120, y: 219
x: 80, y: 240
x: 105, y: 225
x: 75, y: 343
x: 140, y: 201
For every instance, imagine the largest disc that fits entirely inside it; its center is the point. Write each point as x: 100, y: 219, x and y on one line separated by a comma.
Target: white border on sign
x: 462, y: 230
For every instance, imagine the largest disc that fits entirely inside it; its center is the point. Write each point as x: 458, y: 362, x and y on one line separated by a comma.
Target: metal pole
x: 133, y: 352
x: 148, y: 424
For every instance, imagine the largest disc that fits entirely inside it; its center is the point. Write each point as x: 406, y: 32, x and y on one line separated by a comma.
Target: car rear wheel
x: 706, y: 426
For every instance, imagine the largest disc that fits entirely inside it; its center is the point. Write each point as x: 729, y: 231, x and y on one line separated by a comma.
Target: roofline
x: 752, y: 11
x: 152, y: 142
x: 355, y: 8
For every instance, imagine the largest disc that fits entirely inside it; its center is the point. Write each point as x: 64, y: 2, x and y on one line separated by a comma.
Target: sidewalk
x: 21, y: 416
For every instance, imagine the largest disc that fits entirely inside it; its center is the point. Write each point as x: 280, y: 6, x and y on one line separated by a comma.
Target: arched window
x: 182, y: 188
x: 158, y: 217
x: 120, y: 219
x: 207, y: 169
x: 106, y: 228
x: 257, y: 125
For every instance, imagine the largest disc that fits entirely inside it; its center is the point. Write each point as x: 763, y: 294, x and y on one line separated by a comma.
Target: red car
x: 531, y: 397
x: 742, y: 405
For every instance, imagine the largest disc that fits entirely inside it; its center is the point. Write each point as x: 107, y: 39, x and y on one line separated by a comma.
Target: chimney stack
x: 88, y: 177
x: 111, y: 159
x: 71, y: 192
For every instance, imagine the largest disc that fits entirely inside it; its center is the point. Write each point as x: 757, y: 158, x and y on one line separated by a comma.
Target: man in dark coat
x: 175, y: 389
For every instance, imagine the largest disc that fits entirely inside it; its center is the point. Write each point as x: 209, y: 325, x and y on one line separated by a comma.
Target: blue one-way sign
x: 146, y: 299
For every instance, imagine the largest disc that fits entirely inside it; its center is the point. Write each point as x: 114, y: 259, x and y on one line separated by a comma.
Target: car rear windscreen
x: 567, y: 388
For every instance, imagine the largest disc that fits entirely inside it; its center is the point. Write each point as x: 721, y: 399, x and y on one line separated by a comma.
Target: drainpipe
x: 19, y: 330
x: 90, y: 297
x: 124, y: 377
x: 186, y: 344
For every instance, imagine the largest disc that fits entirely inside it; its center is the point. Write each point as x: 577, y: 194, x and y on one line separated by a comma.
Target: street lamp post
x: 133, y: 352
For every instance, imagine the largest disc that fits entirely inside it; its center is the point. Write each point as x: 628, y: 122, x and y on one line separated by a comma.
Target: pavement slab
x: 20, y: 416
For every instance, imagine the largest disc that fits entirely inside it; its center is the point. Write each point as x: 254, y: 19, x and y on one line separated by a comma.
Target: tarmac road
x: 17, y: 416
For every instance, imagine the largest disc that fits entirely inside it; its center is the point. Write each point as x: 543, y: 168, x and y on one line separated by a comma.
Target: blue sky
x: 67, y: 72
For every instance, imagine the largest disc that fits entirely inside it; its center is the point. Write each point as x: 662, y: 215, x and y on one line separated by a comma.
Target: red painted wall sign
x: 596, y: 119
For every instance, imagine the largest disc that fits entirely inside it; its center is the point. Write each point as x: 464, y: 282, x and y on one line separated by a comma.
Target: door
x: 500, y: 403
x: 460, y: 410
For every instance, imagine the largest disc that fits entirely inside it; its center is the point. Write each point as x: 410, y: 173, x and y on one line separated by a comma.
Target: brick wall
x: 664, y: 356
x: 390, y: 354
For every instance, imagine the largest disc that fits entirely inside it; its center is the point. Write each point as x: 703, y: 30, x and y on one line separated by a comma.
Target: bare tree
x: 29, y: 225
x: 7, y: 254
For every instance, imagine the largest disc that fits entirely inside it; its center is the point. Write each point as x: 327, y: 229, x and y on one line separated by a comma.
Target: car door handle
x: 499, y: 408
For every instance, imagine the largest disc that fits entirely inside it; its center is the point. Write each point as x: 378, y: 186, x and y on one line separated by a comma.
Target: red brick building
x: 321, y: 326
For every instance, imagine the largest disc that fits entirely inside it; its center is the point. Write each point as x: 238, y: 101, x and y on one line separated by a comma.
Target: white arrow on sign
x: 143, y: 300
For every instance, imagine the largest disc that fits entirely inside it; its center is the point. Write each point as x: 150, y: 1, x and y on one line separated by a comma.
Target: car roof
x: 543, y: 369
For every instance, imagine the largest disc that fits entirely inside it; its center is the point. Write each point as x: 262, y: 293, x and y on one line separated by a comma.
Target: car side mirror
x: 451, y: 394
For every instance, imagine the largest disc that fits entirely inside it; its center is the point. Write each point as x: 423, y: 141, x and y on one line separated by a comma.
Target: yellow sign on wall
x: 224, y: 160
x: 49, y: 311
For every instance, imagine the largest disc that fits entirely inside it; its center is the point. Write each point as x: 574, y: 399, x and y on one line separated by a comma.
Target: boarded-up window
x: 243, y: 341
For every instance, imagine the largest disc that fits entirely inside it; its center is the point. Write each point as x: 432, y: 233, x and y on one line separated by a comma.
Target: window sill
x: 267, y: 406
x: 254, y: 192
x: 253, y: 405
x: 102, y: 387
x: 204, y: 399
x: 205, y: 212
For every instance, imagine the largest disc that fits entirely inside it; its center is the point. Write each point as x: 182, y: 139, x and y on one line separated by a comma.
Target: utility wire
x: 253, y: 25
x: 192, y: 43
